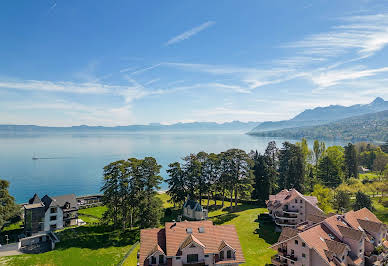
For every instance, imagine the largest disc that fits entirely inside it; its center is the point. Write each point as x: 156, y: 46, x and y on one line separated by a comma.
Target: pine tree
x: 351, y: 163
x: 8, y: 208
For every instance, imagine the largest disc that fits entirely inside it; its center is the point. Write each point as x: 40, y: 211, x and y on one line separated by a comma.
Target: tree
x: 211, y: 173
x: 151, y: 213
x: 362, y: 201
x: 272, y: 155
x: 193, y: 177
x: 380, y: 163
x: 129, y: 189
x: 328, y: 172
x: 341, y: 201
x: 176, y: 183
x: 8, y: 208
x: 261, y: 172
x: 384, y: 147
x: 324, y: 196
x: 351, y: 164
x: 291, y: 167
x: 318, y: 150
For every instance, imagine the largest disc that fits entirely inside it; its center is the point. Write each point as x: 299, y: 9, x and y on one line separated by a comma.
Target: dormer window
x: 53, y: 209
x: 222, y: 255
x: 192, y: 258
x: 189, y: 230
x: 229, y: 254
x: 161, y: 259
x: 153, y: 260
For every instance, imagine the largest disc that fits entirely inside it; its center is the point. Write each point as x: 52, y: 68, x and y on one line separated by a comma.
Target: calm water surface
x: 77, y: 159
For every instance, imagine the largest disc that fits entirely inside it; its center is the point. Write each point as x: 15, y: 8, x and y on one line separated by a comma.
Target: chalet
x: 349, y: 239
x: 190, y: 243
x: 194, y: 211
x: 50, y: 213
x: 290, y: 208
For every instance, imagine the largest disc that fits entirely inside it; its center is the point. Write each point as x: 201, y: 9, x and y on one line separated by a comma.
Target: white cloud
x: 364, y: 34
x: 188, y: 34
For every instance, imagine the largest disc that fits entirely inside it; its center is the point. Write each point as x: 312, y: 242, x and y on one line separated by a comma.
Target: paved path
x: 9, y: 250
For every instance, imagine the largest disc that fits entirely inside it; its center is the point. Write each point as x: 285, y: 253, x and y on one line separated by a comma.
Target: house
x: 50, y: 213
x: 193, y: 243
x: 290, y: 208
x: 194, y: 211
x: 349, y: 239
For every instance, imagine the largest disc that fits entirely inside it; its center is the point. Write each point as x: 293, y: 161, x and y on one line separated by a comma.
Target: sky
x: 71, y: 62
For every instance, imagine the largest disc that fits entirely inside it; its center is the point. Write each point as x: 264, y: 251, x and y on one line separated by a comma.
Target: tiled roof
x: 370, y: 226
x: 176, y: 235
x: 315, y: 218
x: 350, y: 232
x: 34, y: 199
x: 155, y: 249
x: 287, y: 233
x: 191, y: 239
x: 223, y: 245
x: 336, y: 247
x: 286, y: 196
x: 149, y: 239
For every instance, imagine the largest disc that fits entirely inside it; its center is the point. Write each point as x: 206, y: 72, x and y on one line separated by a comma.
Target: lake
x: 74, y: 162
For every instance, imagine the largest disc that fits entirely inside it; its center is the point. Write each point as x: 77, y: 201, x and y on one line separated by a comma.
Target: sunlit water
x: 77, y: 159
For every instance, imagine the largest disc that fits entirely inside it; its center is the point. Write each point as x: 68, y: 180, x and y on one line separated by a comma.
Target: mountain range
x: 194, y: 126
x: 323, y: 115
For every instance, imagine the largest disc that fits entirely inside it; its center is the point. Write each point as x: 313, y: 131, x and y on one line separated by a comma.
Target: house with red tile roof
x: 349, y: 239
x: 193, y: 243
x: 290, y: 208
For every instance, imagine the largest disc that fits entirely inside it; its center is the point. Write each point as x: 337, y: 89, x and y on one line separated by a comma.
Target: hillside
x: 369, y: 127
x: 324, y: 115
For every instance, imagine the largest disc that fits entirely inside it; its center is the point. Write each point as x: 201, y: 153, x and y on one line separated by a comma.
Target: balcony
x: 286, y: 216
x: 277, y: 260
x: 289, y: 257
x: 286, y: 210
x: 285, y: 223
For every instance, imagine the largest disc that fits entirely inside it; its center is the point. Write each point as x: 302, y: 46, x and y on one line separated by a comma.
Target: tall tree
x: 341, y: 202
x: 176, y: 183
x: 272, y: 155
x: 261, y: 172
x: 192, y: 176
x: 8, y: 208
x: 318, y: 150
x: 328, y: 172
x: 211, y: 173
x: 380, y: 163
x: 362, y: 201
x: 291, y: 167
x: 324, y: 196
x: 351, y: 163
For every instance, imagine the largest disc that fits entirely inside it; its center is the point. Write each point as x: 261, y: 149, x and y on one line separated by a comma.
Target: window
x: 161, y: 259
x: 303, y: 255
x: 153, y: 260
x: 206, y: 255
x: 221, y: 255
x: 301, y: 201
x: 229, y: 254
x: 53, y: 210
x: 53, y: 218
x: 192, y: 258
x: 178, y: 258
x: 343, y: 257
x: 296, y: 242
x: 303, y: 244
x: 296, y: 201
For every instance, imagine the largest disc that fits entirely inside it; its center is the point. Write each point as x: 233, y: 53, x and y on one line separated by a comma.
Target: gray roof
x: 61, y: 201
x: 35, y: 199
x: 194, y: 205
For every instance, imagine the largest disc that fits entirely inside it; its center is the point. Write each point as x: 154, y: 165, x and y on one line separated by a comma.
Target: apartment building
x: 290, y: 208
x: 349, y: 239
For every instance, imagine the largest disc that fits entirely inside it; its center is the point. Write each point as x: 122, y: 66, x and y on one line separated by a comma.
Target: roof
x: 287, y: 233
x: 315, y: 218
x: 192, y: 204
x: 175, y: 236
x: 350, y: 232
x: 370, y: 226
x: 191, y: 239
x: 336, y: 247
x: 34, y: 199
x: 223, y: 245
x: 286, y: 196
x: 60, y: 201
x: 33, y: 206
x: 149, y: 239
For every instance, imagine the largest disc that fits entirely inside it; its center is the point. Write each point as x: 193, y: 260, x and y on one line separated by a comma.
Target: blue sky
x: 136, y: 62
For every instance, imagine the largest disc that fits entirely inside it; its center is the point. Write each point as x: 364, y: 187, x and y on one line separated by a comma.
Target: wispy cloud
x: 364, y: 34
x: 188, y: 34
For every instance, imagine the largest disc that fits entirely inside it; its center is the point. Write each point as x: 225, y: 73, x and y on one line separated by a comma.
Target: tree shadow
x: 266, y: 230
x: 239, y: 208
x: 96, y: 237
x: 223, y: 218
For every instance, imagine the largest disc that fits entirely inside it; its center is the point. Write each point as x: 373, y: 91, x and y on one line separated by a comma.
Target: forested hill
x: 324, y: 115
x: 371, y: 127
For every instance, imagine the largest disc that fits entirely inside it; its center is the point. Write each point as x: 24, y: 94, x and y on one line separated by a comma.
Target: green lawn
x: 381, y: 211
x: 132, y: 259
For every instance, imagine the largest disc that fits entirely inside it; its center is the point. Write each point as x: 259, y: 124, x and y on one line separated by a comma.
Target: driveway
x: 9, y: 250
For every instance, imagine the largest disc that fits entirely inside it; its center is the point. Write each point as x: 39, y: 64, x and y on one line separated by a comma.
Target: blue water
x: 78, y: 159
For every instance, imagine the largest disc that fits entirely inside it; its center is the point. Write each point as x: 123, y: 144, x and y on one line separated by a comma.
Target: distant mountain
x: 195, y: 126
x: 368, y: 127
x: 324, y: 115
